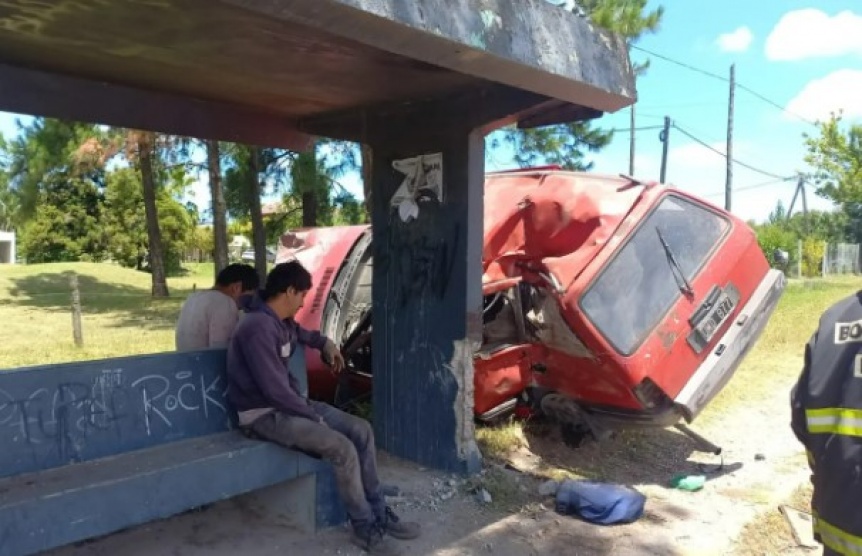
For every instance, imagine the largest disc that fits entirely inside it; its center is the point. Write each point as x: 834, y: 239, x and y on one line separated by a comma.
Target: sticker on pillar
x: 423, y: 182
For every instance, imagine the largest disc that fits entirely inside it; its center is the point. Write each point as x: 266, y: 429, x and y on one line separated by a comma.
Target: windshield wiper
x: 676, y: 269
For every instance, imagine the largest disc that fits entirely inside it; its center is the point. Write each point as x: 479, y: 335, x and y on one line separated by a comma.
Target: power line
x: 775, y: 104
x: 724, y: 79
x: 627, y: 130
x: 718, y: 152
x: 681, y: 64
x: 654, y: 116
x: 754, y: 186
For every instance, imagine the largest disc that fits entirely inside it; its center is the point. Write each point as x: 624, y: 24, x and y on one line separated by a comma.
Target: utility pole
x: 795, y: 196
x: 664, y: 137
x: 800, y: 191
x: 632, y: 143
x: 728, y: 183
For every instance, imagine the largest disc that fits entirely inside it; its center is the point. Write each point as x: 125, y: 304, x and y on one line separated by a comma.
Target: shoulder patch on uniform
x: 848, y: 332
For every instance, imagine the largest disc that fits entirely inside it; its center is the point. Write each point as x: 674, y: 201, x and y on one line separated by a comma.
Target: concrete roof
x: 260, y: 70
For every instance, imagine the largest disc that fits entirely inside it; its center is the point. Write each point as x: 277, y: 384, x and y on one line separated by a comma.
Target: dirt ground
x: 763, y: 464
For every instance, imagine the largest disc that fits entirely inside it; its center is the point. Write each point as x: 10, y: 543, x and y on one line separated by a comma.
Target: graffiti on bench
x: 59, y: 414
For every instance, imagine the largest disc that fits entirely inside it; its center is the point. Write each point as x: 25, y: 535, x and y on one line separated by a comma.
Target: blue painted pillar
x: 427, y: 296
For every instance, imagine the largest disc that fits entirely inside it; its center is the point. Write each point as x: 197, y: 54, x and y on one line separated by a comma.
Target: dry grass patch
x: 770, y: 534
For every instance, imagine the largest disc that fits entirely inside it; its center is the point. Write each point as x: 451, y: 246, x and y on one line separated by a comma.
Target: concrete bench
x: 90, y: 448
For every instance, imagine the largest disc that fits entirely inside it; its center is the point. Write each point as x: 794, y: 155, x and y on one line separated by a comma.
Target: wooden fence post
x: 76, y: 311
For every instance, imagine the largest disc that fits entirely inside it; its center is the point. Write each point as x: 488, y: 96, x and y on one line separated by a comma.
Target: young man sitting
x: 266, y: 398
x: 208, y: 317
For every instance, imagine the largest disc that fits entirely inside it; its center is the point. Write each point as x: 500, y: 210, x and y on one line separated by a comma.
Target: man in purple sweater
x: 269, y: 405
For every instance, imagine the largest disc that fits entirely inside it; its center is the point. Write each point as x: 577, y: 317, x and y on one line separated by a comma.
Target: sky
x: 795, y: 61
x: 803, y: 56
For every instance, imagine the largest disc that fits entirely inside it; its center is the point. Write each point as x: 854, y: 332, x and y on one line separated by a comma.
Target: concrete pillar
x: 427, y: 296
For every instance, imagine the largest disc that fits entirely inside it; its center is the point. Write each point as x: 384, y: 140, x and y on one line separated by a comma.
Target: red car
x: 608, y: 302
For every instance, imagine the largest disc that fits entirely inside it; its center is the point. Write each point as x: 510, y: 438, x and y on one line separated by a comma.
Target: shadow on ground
x: 632, y: 457
x: 51, y: 291
x: 455, y: 526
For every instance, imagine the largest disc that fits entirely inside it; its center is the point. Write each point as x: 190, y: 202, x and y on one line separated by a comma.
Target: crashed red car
x: 608, y: 302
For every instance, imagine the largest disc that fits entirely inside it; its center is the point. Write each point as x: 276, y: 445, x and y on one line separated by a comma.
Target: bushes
x: 772, y: 237
x: 813, y: 251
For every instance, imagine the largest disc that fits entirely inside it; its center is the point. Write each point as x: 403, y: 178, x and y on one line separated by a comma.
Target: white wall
x: 7, y: 248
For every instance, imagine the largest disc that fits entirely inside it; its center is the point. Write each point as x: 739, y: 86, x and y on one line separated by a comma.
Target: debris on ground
x: 690, y: 483
x: 800, y: 525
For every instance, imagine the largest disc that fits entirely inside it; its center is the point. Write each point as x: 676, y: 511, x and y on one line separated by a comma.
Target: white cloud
x: 838, y: 90
x: 737, y: 41
x: 811, y: 33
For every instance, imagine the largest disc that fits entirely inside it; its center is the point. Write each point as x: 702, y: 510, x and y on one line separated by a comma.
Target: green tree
x: 307, y: 180
x: 311, y: 184
x: 568, y: 144
x: 831, y: 227
x: 348, y: 211
x: 126, y: 222
x: 835, y: 154
x: 244, y: 184
x: 202, y: 242
x: 51, y: 194
x: 219, y: 205
x: 67, y: 223
x: 9, y: 206
x: 44, y: 147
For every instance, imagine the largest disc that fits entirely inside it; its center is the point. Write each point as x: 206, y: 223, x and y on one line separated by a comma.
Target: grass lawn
x: 119, y: 316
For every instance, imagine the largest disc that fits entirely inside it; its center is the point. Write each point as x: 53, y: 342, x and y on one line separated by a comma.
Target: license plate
x: 710, y: 317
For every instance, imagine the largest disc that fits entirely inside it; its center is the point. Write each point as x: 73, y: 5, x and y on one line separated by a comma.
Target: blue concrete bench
x: 91, y: 448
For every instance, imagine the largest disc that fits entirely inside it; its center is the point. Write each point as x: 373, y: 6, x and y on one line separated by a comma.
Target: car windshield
x: 649, y: 273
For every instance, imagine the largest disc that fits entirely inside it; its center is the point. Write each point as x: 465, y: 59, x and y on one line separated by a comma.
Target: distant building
x: 237, y: 245
x: 7, y: 248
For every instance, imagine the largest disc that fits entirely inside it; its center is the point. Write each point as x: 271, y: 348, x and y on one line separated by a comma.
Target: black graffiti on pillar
x: 420, y: 258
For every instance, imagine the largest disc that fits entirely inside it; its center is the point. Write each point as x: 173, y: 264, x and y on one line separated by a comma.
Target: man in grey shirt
x: 208, y: 318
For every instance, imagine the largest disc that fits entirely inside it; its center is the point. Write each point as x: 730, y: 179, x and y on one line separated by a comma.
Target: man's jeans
x: 342, y: 439
x: 296, y: 367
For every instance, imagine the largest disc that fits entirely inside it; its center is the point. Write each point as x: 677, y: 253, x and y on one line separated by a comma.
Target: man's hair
x: 237, y: 272
x: 287, y: 275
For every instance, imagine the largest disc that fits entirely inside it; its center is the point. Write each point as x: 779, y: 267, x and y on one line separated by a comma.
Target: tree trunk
x: 309, y: 209
x: 366, y: 177
x: 258, y: 231
x: 219, y: 206
x: 146, y: 151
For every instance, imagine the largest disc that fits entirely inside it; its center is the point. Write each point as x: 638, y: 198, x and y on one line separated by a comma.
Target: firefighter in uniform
x: 827, y: 418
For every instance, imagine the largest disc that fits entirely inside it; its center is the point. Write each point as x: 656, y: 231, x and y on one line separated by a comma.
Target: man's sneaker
x: 392, y: 525
x: 367, y: 535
